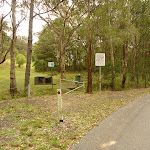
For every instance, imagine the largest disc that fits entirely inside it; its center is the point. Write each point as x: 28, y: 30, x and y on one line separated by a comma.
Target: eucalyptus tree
x: 106, y: 28
x: 29, y: 51
x: 13, y: 85
x: 116, y: 30
x: 69, y: 16
x: 88, y: 6
x: 89, y: 86
x: 141, y: 19
x: 131, y: 32
x: 15, y: 25
x: 14, y: 6
x: 106, y: 17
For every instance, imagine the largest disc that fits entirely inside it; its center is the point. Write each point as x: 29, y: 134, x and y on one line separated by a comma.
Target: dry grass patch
x: 33, y: 124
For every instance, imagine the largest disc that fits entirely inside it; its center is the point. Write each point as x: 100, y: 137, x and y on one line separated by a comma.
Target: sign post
x: 100, y: 80
x: 100, y: 61
x: 51, y: 64
x: 60, y: 105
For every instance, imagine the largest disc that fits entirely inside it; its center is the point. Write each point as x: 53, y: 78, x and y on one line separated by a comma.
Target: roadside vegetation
x: 41, y: 90
x: 34, y: 124
x: 73, y: 33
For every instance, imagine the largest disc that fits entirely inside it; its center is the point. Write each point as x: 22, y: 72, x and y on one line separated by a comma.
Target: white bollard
x: 59, y: 97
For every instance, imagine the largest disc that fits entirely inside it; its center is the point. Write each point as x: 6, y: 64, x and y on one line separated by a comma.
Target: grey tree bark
x: 29, y: 51
x: 62, y: 52
x: 13, y: 86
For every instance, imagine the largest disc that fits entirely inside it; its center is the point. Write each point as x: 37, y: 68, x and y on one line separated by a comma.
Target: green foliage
x: 40, y: 65
x: 45, y: 50
x: 20, y: 60
x: 21, y: 45
x: 112, y: 24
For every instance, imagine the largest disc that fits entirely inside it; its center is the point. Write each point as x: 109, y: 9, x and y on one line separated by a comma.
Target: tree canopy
x: 120, y: 29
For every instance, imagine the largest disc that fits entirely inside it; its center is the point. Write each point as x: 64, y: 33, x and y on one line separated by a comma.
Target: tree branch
x: 2, y: 19
x: 37, y: 14
x: 4, y: 57
x: 50, y: 24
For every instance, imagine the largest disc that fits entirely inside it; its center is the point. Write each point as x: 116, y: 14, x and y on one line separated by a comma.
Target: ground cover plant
x: 34, y: 124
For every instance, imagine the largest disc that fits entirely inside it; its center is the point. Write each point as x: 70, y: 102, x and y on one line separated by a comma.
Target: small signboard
x: 100, y: 59
x: 50, y: 64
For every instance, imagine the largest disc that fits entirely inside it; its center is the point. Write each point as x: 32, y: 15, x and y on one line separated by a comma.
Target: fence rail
x: 73, y: 81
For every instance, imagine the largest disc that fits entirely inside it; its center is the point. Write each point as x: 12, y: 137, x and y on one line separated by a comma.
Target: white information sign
x: 50, y: 64
x: 100, y: 59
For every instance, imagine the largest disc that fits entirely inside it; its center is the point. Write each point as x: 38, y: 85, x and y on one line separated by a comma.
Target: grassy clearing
x: 33, y: 124
x: 36, y: 90
x: 40, y: 90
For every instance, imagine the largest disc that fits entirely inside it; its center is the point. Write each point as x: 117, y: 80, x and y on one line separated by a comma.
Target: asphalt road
x: 126, y: 129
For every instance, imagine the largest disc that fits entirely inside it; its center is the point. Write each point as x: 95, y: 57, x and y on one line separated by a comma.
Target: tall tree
x: 127, y: 26
x: 111, y: 48
x: 125, y: 57
x: 13, y: 86
x: 69, y: 16
x: 29, y: 52
x: 89, y: 86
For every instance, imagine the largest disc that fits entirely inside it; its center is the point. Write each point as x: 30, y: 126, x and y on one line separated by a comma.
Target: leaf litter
x: 34, y: 123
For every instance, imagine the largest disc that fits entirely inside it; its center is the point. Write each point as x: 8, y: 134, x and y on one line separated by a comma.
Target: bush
x: 20, y: 60
x: 40, y: 65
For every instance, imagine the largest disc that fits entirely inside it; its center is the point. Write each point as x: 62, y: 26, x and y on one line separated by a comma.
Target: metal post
x: 83, y: 87
x: 100, y: 80
x: 28, y: 90
x: 51, y: 72
x: 60, y: 84
x: 60, y: 105
x: 52, y: 78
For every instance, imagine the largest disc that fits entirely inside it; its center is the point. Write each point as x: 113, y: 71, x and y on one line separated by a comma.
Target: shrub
x: 20, y: 60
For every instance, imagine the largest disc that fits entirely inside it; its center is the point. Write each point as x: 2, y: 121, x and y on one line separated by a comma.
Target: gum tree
x: 29, y: 51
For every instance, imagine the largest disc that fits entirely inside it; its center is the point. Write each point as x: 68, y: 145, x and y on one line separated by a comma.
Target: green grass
x: 34, y: 123
x: 36, y: 90
x: 40, y: 90
x: 29, y: 126
x: 20, y: 76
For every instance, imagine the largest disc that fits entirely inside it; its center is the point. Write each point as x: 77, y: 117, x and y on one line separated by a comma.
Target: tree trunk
x: 145, y: 69
x: 112, y: 54
x: 2, y: 45
x: 13, y: 86
x: 89, y: 86
x: 133, y: 58
x: 125, y: 57
x: 62, y: 58
x: 62, y: 52
x: 29, y: 51
x: 113, y: 64
x: 58, y: 60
